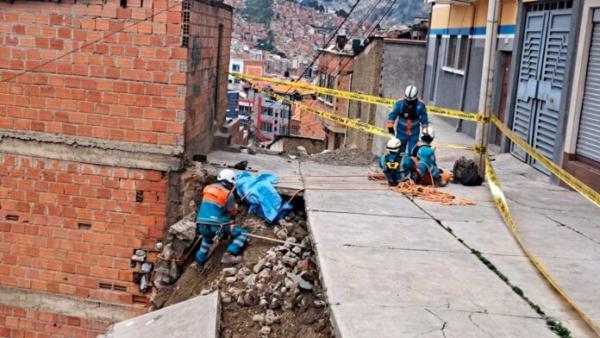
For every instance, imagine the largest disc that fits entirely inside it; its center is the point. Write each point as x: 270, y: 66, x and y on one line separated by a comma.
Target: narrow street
x: 394, y: 266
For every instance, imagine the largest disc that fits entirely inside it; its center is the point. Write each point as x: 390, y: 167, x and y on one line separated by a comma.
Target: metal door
x: 541, y: 80
x: 588, y: 141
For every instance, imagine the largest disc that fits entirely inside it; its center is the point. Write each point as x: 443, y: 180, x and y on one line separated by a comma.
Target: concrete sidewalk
x: 394, y: 267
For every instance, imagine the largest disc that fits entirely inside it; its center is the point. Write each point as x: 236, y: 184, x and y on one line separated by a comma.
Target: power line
x: 320, y: 51
x: 372, y: 29
x: 43, y: 64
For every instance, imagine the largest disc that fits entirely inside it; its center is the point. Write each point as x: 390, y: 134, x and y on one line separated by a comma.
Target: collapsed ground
x: 274, y: 292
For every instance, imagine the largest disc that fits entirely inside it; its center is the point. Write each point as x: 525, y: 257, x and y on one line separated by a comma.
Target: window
x: 235, y: 68
x: 328, y: 81
x: 267, y: 111
x: 456, y: 54
x: 266, y: 127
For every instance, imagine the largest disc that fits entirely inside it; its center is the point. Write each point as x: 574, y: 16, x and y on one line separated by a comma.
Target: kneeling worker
x: 214, y: 218
x: 427, y: 169
x: 396, y: 166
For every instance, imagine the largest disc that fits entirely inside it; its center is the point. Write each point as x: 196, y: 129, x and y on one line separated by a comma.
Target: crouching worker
x: 396, y: 166
x: 214, y: 218
x: 428, y: 172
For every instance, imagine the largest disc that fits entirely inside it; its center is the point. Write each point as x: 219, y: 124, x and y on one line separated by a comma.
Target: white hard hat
x: 227, y: 175
x: 429, y: 131
x: 393, y: 144
x: 411, y: 93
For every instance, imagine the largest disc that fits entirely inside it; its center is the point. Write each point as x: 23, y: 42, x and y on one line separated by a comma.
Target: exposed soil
x: 345, y: 157
x: 258, y: 295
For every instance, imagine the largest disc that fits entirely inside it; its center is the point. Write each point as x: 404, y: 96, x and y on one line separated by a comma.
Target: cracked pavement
x: 389, y: 263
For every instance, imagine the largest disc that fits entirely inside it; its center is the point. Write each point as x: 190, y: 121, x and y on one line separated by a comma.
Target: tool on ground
x: 273, y: 240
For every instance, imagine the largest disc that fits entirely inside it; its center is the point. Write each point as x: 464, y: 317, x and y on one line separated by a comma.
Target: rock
x: 283, y: 290
x: 265, y: 274
x: 258, y: 266
x: 270, y: 317
x: 275, y: 303
x: 229, y: 271
x: 287, y: 305
x: 250, y: 298
x: 205, y: 292
x: 300, y: 281
x: 302, y: 151
x: 290, y: 240
x: 260, y: 286
x: 235, y: 292
x: 289, y: 260
x: 244, y: 272
x: 289, y: 283
x: 281, y: 234
x: 230, y: 280
x: 225, y: 297
x: 297, y: 250
x: 265, y: 330
x: 263, y: 302
x: 250, y: 281
x: 319, y: 303
x: 259, y: 318
x: 271, y: 256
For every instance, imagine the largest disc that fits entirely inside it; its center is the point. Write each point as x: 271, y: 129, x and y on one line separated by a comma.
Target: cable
x: 320, y: 51
x: 86, y: 45
x: 372, y: 29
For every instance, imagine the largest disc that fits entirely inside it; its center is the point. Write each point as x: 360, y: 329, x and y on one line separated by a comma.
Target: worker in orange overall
x: 214, y: 219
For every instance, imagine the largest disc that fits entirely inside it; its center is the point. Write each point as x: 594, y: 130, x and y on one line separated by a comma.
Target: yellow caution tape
x: 502, y: 205
x: 361, y: 97
x: 353, y: 123
x: 563, y: 175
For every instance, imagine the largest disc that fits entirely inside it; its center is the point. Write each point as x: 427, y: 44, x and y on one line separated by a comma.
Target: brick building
x: 334, y: 71
x: 100, y: 103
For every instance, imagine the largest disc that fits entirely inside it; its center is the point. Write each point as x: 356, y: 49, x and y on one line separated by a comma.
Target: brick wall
x: 208, y: 63
x: 18, y: 322
x: 65, y: 227
x: 128, y: 87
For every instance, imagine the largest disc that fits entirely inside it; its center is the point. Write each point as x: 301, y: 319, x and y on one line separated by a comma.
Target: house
x: 544, y: 70
x: 386, y: 66
x: 91, y: 146
x: 334, y: 71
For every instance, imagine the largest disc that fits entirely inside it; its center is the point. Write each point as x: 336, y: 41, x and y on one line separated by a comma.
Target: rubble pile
x: 345, y: 157
x: 274, y: 292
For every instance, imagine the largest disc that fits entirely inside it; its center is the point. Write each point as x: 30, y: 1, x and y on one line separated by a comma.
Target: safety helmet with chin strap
x: 411, y: 93
x: 228, y: 176
x: 393, y: 145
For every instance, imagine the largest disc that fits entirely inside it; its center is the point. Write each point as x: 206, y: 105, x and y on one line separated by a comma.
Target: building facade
x: 334, y: 71
x: 543, y: 83
x: 273, y: 119
x: 386, y: 66
x: 93, y: 136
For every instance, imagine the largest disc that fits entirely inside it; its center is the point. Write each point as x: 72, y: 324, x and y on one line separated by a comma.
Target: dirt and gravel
x: 345, y: 157
x: 274, y: 292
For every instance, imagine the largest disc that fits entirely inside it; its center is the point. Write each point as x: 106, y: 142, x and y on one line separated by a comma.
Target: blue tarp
x: 259, y: 193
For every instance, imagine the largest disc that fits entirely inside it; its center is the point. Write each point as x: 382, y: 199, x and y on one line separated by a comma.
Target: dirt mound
x: 345, y: 157
x: 274, y: 292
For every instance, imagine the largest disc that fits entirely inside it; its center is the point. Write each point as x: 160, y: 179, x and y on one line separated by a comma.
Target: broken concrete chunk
x: 250, y: 281
x: 230, y: 280
x: 300, y: 282
x: 265, y: 330
x: 259, y: 318
x: 225, y: 298
x: 229, y: 272
x: 258, y: 266
x: 270, y: 317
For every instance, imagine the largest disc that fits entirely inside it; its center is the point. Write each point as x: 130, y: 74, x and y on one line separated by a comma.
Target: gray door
x: 588, y: 140
x: 541, y: 80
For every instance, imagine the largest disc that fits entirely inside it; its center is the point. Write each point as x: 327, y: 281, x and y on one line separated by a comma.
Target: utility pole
x: 487, y: 80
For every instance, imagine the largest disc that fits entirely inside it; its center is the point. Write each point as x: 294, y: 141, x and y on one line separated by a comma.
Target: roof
x: 310, y: 125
